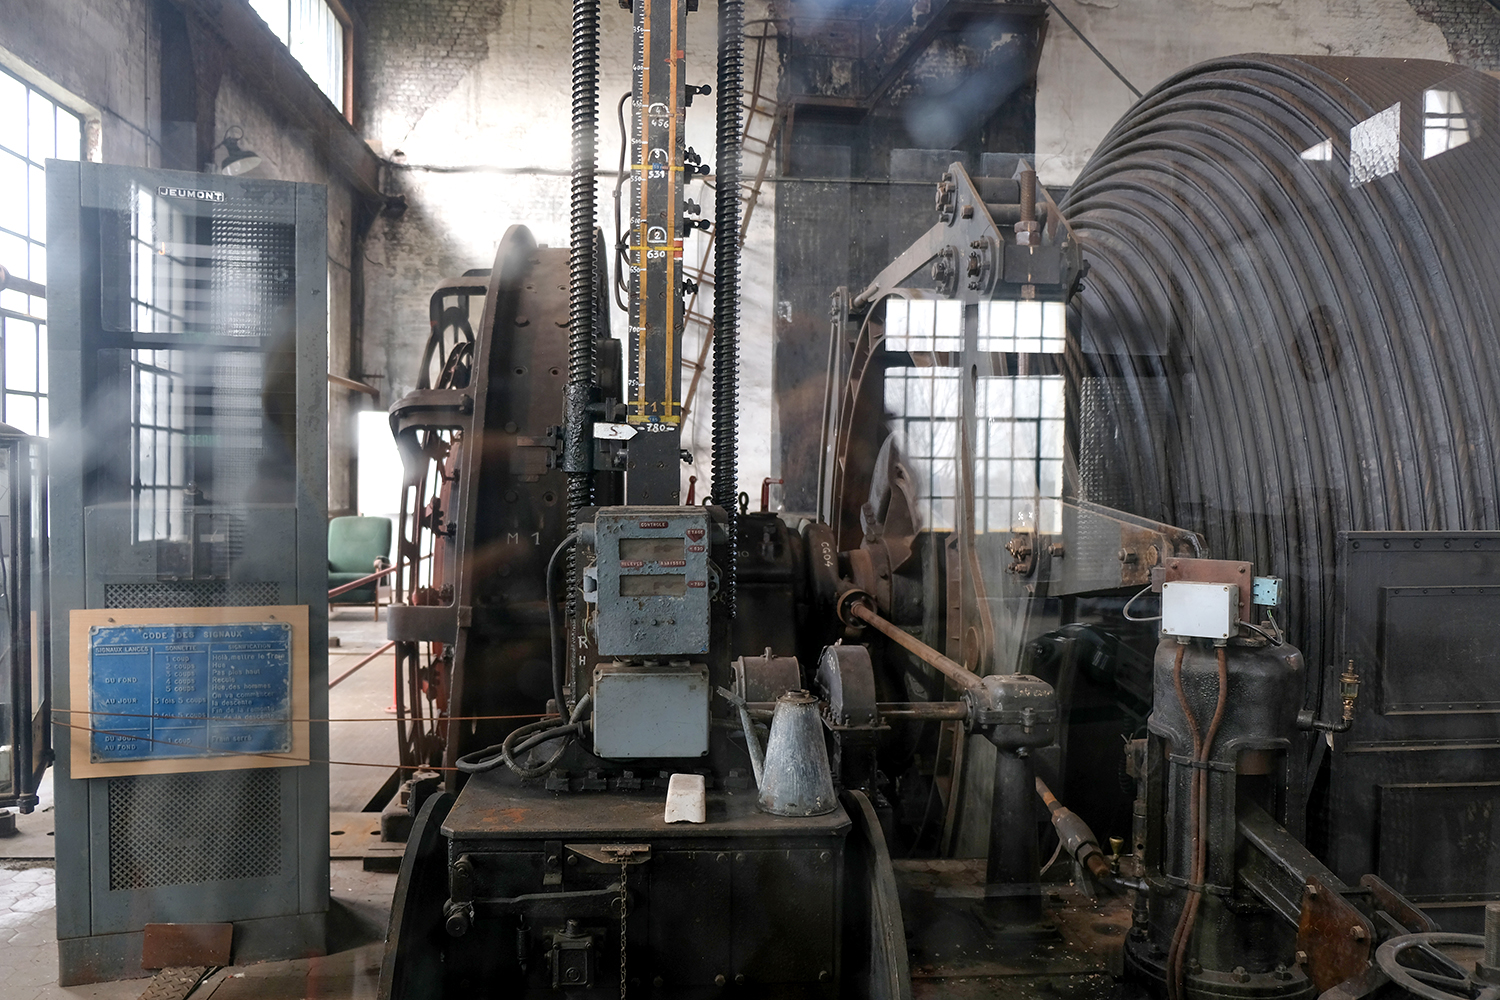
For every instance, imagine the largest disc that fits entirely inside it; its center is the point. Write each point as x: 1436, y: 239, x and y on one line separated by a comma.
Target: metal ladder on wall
x: 763, y: 125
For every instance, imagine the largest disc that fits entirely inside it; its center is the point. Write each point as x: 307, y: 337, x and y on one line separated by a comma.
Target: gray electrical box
x: 653, y: 580
x: 651, y: 711
x: 188, y: 356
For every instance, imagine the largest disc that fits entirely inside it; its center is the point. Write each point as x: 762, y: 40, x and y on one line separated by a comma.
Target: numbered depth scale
x: 654, y: 377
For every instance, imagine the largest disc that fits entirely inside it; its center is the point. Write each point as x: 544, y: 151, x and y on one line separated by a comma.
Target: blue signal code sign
x: 169, y: 691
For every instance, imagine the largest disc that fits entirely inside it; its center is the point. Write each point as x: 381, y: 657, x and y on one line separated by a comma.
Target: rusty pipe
x: 344, y: 588
x: 350, y: 672
x: 888, y: 711
x: 1077, y: 839
x: 922, y: 710
x: 965, y: 680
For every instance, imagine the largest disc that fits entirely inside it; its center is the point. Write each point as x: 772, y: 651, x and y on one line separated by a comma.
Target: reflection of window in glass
x: 199, y: 423
x: 1444, y: 125
x: 1375, y: 146
x: 32, y: 128
x: 316, y: 32
x: 1022, y: 327
x: 1019, y: 451
x: 159, y: 441
x: 925, y: 405
x: 1321, y: 153
x: 169, y: 277
x: 924, y: 325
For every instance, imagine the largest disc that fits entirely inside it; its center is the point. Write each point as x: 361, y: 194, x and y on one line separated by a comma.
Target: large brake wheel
x: 876, y: 937
x: 412, y: 968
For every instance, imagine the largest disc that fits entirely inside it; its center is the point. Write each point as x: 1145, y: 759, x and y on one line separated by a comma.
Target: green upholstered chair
x: 357, y: 546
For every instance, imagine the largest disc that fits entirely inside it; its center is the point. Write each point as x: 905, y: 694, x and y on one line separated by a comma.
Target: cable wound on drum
x: 1290, y: 310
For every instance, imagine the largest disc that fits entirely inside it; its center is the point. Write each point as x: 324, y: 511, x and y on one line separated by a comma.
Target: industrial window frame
x: 23, y: 318
x: 284, y: 32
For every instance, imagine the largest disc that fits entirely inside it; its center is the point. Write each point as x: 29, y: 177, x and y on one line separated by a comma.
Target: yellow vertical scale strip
x: 643, y: 249
x: 673, y: 175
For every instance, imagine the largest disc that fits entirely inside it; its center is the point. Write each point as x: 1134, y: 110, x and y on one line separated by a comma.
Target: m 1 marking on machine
x: 169, y: 691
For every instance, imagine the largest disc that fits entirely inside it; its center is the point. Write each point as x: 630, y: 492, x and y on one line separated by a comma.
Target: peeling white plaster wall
x: 1079, y: 99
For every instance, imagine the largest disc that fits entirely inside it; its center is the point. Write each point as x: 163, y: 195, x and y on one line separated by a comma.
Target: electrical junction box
x: 651, y: 711
x: 652, y: 579
x: 1200, y: 610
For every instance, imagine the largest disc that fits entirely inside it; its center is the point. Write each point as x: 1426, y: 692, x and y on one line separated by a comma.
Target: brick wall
x: 416, y: 52
x: 1471, y: 28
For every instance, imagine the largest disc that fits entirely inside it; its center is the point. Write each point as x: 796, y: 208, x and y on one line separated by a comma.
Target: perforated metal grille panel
x: 176, y: 829
x: 190, y: 594
x: 252, y: 288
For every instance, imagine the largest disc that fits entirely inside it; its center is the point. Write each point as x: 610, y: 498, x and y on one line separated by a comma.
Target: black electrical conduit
x: 726, y: 330
x: 1271, y: 354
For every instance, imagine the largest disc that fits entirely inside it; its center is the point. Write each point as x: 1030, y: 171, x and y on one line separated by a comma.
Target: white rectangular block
x: 1200, y: 610
x: 687, y: 799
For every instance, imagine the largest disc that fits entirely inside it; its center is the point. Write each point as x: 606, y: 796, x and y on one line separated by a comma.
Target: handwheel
x: 412, y: 968
x: 1437, y: 977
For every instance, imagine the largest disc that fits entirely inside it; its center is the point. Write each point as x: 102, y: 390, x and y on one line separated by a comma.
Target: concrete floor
x: 361, y: 900
x: 360, y: 910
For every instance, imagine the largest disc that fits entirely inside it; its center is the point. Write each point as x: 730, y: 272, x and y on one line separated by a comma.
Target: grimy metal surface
x: 493, y: 807
x: 499, y: 511
x: 1414, y: 784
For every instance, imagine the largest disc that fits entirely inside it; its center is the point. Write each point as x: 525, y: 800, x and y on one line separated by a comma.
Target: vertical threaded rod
x: 578, y: 457
x: 727, y: 277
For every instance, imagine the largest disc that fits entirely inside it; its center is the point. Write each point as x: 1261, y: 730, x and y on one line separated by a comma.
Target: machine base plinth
x: 1144, y: 969
x: 532, y: 890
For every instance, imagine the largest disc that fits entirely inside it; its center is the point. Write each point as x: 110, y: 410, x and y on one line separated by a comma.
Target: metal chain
x: 624, y: 871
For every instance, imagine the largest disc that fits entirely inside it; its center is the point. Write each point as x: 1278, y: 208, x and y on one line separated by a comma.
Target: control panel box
x: 1200, y: 610
x: 651, y: 711
x: 653, y: 581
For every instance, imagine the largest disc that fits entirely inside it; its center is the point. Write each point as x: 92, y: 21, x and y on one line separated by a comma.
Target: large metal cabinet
x: 188, y: 357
